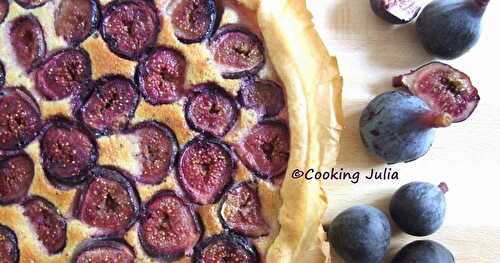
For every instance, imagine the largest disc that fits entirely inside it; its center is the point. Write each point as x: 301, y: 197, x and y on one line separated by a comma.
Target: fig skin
x: 233, y: 240
x: 399, y: 127
x: 10, y: 236
x: 103, y: 243
x: 419, y: 208
x: 449, y: 28
x: 392, y: 12
x: 424, y: 251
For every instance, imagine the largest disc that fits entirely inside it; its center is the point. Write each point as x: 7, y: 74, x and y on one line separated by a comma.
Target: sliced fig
x: 237, y: 51
x: 240, y: 211
x: 28, y: 41
x: 29, y: 4
x: 64, y: 74
x: 444, y: 88
x: 225, y: 248
x: 161, y: 75
x: 211, y: 109
x: 9, y: 248
x: 109, y: 202
x: 110, y: 106
x: 158, y: 147
x: 169, y: 227
x: 4, y: 10
x: 266, y: 97
x: 68, y: 152
x: 2, y: 74
x: 75, y: 20
x: 130, y: 27
x: 205, y: 168
x: 48, y: 223
x: 397, y: 11
x: 16, y: 175
x: 20, y: 119
x: 194, y: 20
x: 104, y: 250
x: 265, y: 150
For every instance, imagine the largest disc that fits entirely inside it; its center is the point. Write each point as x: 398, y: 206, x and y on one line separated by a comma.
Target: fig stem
x: 444, y: 187
x: 442, y: 120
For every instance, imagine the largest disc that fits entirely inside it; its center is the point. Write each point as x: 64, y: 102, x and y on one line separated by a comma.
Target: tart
x: 167, y: 130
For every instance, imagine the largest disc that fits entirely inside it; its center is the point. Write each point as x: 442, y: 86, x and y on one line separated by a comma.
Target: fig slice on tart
x: 9, y: 247
x: 76, y: 20
x: 225, y: 248
x: 169, y: 228
x: 104, y: 250
x: 28, y: 41
x: 16, y: 175
x: 194, y: 20
x: 266, y: 97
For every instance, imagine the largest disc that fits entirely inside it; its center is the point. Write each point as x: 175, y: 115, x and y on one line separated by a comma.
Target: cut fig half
x: 193, y: 20
x: 104, y: 250
x: 28, y: 41
x: 16, y: 175
x: 225, y: 248
x: 397, y: 11
x: 75, y: 20
x: 4, y: 10
x: 9, y: 248
x: 444, y: 88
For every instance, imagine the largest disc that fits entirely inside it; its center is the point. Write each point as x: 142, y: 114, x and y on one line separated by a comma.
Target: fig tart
x: 163, y: 131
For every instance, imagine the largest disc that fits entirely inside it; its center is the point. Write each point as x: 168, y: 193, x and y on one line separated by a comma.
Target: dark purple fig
x: 64, y: 74
x: 205, y: 168
x: 105, y: 251
x: 450, y: 28
x: 443, y: 88
x: 75, y: 20
x: 108, y: 201
x: 211, y: 109
x: 158, y: 147
x: 16, y: 175
x: 265, y: 150
x: 20, y: 119
x: 397, y: 11
x: 264, y: 96
x: 240, y: 211
x: 28, y: 41
x: 225, y: 248
x: 4, y: 10
x: 48, y: 223
x: 194, y: 20
x: 68, y: 152
x: 2, y: 74
x: 130, y: 27
x: 237, y: 51
x: 169, y: 227
x: 161, y: 75
x: 9, y: 249
x: 29, y: 4
x: 424, y: 251
x: 110, y: 106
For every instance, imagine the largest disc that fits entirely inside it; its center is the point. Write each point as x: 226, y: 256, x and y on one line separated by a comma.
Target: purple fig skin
x: 9, y: 236
x: 444, y: 88
x: 73, y: 26
x: 239, y: 246
x: 397, y: 11
x: 126, y: 250
x: 21, y: 27
x: 206, y: 17
x: 30, y: 4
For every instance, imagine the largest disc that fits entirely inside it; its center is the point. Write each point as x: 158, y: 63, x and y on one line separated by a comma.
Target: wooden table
x: 466, y: 155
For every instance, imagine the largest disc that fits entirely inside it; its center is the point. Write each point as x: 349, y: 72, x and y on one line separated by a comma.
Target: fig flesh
x: 16, y: 175
x: 75, y: 20
x: 9, y: 249
x: 225, y: 248
x: 4, y: 9
x: 104, y: 250
x: 443, y: 88
x: 397, y: 11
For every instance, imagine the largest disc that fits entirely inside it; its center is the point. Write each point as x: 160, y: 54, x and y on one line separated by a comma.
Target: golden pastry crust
x: 296, y: 57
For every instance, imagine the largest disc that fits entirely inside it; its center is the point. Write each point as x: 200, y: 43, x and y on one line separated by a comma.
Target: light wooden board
x: 466, y: 155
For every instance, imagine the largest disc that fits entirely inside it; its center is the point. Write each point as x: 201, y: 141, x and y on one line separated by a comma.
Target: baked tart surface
x: 146, y: 131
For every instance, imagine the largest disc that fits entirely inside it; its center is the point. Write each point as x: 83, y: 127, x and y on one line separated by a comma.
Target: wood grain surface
x: 465, y: 155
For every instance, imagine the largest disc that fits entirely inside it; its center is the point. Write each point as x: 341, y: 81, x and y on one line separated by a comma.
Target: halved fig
x: 225, y: 248
x: 2, y: 74
x: 75, y: 20
x: 158, y: 147
x: 160, y: 75
x: 444, y: 88
x: 265, y: 150
x: 266, y: 97
x: 20, y: 119
x: 110, y: 106
x: 194, y: 20
x: 29, y: 4
x: 28, y: 41
x: 9, y: 249
x: 211, y: 109
x: 169, y: 227
x: 16, y: 175
x: 130, y: 27
x: 397, y: 11
x: 108, y: 201
x: 237, y: 51
x: 64, y: 74
x: 68, y: 152
x: 205, y: 167
x: 48, y: 223
x: 240, y: 211
x: 4, y: 10
x: 105, y: 251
